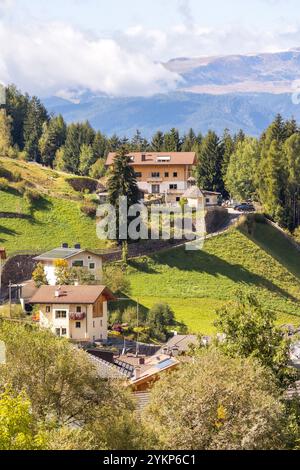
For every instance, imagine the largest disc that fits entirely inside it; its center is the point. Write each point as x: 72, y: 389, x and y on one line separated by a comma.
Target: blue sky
x: 117, y: 46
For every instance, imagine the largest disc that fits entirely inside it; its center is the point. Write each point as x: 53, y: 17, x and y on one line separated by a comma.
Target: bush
x: 89, y: 209
x: 81, y: 184
x: 20, y: 187
x: 31, y: 196
x: 4, y: 184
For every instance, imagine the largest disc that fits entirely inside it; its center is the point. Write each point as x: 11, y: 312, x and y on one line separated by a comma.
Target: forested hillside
x: 265, y: 170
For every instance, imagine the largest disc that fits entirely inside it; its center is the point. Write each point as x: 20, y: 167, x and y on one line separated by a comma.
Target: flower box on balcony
x: 77, y: 316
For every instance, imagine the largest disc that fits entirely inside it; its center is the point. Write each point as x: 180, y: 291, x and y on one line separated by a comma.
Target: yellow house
x: 161, y: 173
x: 78, y: 313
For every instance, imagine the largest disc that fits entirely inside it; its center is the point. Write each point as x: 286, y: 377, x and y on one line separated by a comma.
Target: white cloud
x: 52, y: 57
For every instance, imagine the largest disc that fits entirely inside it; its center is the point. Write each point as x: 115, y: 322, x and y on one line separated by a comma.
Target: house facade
x: 75, y: 257
x: 78, y: 313
x: 161, y: 173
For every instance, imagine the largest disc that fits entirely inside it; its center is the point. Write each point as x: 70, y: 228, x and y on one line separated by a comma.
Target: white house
x: 201, y: 199
x: 75, y: 257
x: 78, y: 313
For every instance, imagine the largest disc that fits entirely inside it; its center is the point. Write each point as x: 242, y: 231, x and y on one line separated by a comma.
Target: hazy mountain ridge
x: 217, y: 92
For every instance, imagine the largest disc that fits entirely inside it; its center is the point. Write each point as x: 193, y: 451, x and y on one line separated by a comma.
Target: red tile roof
x: 70, y: 295
x: 153, y: 158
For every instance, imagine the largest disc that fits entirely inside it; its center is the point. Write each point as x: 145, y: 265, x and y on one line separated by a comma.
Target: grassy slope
x: 55, y: 218
x: 196, y: 283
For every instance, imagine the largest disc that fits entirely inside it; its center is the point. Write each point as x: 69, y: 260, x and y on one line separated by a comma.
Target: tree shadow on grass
x: 202, y: 262
x: 40, y: 205
x: 141, y: 266
x: 7, y: 231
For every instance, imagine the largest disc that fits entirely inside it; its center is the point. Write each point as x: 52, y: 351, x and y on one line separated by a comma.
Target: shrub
x: 89, y: 209
x: 20, y: 186
x: 4, y: 184
x: 31, y: 196
x: 81, y: 184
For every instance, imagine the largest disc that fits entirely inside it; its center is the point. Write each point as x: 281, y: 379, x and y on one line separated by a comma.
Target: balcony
x: 154, y: 179
x: 77, y: 316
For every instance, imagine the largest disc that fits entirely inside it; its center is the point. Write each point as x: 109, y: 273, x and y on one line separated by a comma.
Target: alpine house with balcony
x: 164, y: 174
x: 78, y: 313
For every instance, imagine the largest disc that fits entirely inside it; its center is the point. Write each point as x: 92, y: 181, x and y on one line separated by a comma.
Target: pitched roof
x: 193, y: 193
x: 70, y: 295
x: 61, y: 253
x: 157, y: 158
x: 180, y: 342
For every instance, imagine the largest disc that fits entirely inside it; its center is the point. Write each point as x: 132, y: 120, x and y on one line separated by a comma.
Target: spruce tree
x: 122, y: 182
x: 36, y: 116
x: 209, y: 164
x: 5, y: 133
x: 16, y: 106
x: 52, y: 139
x: 157, y: 143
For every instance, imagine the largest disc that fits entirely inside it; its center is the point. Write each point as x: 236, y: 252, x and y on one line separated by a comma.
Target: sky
x: 117, y: 47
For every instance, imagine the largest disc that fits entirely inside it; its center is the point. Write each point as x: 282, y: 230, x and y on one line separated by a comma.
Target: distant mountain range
x: 231, y: 92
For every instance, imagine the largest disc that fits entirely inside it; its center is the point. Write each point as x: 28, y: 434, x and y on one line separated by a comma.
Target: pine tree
x: 209, y: 164
x: 228, y: 149
x: 138, y: 143
x: 172, y: 141
x: 122, y: 182
x: 5, y: 133
x: 189, y: 141
x: 100, y: 146
x: 36, y: 116
x: 52, y: 139
x: 157, y: 143
x: 77, y: 135
x: 16, y: 106
x: 87, y: 159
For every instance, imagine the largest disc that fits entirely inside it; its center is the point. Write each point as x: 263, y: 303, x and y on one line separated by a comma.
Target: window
x: 92, y: 266
x: 173, y: 186
x: 63, y: 331
x: 57, y: 331
x: 93, y: 324
x: 60, y: 314
x: 178, y: 199
x: 78, y: 309
x: 138, y: 174
x: 77, y: 264
x: 101, y: 323
x: 207, y: 200
x: 175, y: 174
x: 48, y: 309
x: 78, y: 324
x: 155, y: 189
x: 166, y: 175
x: 155, y: 174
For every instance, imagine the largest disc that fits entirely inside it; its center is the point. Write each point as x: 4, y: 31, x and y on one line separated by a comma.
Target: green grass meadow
x: 197, y: 283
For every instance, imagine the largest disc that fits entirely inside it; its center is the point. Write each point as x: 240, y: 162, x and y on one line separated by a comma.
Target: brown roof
x: 70, y: 295
x: 153, y: 158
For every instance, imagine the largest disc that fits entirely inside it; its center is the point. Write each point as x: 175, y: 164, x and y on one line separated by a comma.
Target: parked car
x: 245, y: 207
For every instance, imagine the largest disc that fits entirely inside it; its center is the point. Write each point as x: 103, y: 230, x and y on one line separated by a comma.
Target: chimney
x: 76, y: 283
x: 65, y: 245
x: 137, y: 373
x: 58, y: 292
x: 77, y: 246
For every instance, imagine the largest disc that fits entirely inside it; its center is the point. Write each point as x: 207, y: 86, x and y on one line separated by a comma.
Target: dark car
x: 245, y: 207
